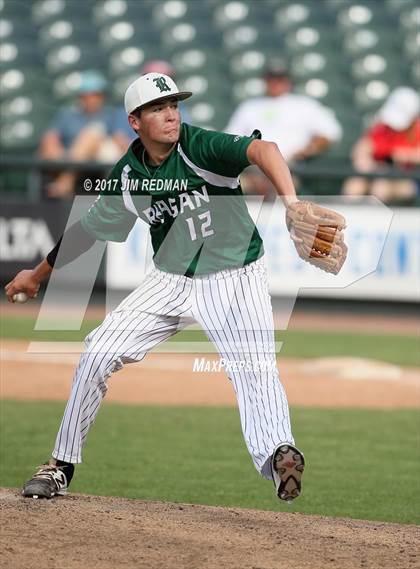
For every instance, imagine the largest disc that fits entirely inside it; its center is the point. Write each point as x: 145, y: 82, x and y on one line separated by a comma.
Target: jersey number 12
x: 205, y: 231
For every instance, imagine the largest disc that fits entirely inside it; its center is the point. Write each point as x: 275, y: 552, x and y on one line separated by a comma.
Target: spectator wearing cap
x: 300, y: 125
x: 393, y: 139
x: 123, y: 132
x: 81, y: 132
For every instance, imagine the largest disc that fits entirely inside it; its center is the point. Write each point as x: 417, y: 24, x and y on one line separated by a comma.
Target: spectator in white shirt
x: 301, y: 126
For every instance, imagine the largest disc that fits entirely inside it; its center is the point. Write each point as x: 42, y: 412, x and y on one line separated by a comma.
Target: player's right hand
x: 24, y: 281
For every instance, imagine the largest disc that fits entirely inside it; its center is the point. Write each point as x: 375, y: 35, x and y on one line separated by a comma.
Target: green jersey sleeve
x: 218, y: 152
x: 108, y: 219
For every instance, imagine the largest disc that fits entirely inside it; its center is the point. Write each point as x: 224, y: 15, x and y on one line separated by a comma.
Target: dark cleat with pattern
x: 287, y: 464
x: 49, y: 481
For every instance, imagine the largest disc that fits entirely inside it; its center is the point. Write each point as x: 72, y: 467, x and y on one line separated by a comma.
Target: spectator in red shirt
x: 393, y: 139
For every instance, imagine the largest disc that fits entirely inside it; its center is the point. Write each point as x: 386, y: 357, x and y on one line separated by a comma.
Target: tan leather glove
x: 317, y: 233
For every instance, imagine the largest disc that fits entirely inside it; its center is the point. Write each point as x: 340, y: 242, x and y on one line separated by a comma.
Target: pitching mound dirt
x: 90, y: 532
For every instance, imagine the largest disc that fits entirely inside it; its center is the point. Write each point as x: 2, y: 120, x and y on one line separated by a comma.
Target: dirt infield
x: 86, y: 532
x: 170, y: 379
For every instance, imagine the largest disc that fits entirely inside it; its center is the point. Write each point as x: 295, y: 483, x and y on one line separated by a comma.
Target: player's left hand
x: 317, y: 233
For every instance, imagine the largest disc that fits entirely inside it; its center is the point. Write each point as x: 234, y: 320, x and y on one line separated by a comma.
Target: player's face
x: 159, y: 122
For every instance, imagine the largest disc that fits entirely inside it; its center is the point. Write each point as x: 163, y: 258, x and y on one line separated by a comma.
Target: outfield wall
x: 382, y: 264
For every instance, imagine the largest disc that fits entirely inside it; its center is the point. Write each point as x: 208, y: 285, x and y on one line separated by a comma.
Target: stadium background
x: 345, y: 53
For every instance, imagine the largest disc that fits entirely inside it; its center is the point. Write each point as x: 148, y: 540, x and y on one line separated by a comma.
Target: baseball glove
x: 318, y: 236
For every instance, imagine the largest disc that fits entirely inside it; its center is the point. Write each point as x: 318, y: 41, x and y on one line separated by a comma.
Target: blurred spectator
x: 301, y: 126
x: 123, y: 132
x: 81, y: 132
x: 393, y: 139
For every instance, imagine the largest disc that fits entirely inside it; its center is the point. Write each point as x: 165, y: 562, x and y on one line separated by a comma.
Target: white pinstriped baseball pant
x: 234, y: 309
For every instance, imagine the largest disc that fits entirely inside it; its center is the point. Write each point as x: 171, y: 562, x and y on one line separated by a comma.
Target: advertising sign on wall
x: 28, y: 232
x: 382, y: 263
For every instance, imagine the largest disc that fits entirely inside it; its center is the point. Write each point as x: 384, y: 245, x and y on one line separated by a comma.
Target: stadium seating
x: 346, y: 53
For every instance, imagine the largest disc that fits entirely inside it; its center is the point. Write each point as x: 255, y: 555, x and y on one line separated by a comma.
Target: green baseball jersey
x: 198, y: 219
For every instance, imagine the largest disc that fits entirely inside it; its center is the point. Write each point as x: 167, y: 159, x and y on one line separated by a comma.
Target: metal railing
x: 329, y: 170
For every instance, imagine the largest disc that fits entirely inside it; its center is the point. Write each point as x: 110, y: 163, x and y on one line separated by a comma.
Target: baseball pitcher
x: 209, y: 268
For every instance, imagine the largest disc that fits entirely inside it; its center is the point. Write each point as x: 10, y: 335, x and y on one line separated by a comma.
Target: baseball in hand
x: 20, y: 297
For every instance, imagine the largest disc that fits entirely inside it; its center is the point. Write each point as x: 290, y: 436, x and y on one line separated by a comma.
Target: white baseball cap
x: 400, y: 109
x: 151, y: 88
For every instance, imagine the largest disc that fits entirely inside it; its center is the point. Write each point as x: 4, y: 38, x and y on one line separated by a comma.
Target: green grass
x: 392, y: 348
x: 360, y: 463
x: 22, y: 328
